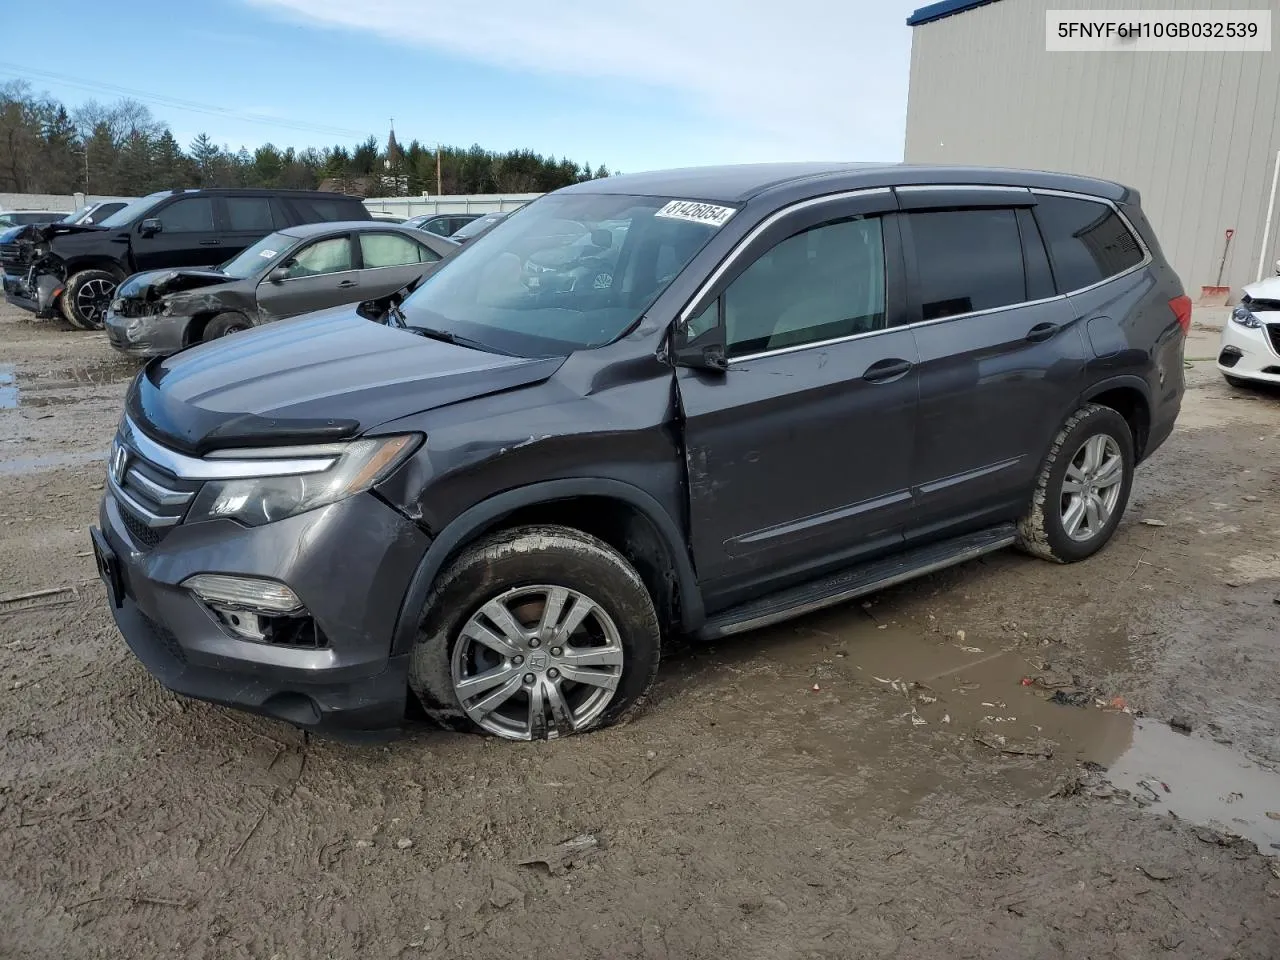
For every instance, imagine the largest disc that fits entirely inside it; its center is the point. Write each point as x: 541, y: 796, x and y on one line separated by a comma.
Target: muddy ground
x: 873, y: 781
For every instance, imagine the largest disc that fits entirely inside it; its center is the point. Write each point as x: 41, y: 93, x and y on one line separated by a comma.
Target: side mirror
x: 702, y: 351
x: 278, y: 274
x: 151, y: 226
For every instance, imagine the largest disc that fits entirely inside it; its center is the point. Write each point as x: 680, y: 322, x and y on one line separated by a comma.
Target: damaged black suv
x: 76, y: 268
x: 793, y: 385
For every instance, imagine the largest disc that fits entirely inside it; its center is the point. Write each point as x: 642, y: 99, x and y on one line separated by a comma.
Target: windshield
x: 75, y: 215
x: 253, y: 260
x: 131, y: 211
x: 536, y: 286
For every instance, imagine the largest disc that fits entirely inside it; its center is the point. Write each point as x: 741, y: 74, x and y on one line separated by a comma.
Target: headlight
x: 258, y: 500
x: 1245, y: 318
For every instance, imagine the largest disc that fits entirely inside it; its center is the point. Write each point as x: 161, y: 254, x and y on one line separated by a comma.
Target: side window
x: 967, y: 260
x: 326, y: 210
x: 392, y: 250
x: 323, y: 256
x: 250, y: 214
x: 192, y: 215
x: 824, y: 283
x: 1087, y: 241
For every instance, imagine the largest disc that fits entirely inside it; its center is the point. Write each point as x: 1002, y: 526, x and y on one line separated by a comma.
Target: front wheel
x: 1082, y: 489
x: 86, y: 297
x: 535, y: 633
x: 225, y: 324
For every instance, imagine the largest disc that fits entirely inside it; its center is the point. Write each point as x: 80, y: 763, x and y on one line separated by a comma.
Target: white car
x: 1249, y: 351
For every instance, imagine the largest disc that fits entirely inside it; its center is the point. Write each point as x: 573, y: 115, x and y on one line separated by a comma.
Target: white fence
x: 399, y: 206
x: 463, y: 203
x: 51, y: 201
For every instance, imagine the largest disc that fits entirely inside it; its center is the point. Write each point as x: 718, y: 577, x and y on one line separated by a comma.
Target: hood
x: 158, y: 283
x: 327, y: 376
x: 47, y: 231
x: 10, y: 234
x: 1265, y: 294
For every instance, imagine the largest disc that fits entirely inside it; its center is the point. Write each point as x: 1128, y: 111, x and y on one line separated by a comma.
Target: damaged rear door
x: 799, y: 453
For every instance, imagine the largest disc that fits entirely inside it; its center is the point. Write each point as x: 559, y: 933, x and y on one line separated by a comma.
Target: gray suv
x: 800, y: 384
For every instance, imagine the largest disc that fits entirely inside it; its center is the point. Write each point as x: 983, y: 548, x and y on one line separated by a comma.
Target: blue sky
x: 635, y: 85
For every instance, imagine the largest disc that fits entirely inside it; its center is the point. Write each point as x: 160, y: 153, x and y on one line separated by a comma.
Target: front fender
x: 476, y: 518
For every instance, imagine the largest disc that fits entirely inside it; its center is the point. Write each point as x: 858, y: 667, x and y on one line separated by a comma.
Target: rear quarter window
x: 1087, y: 241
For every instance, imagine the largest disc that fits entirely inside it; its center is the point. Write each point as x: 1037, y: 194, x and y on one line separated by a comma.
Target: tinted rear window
x: 1087, y: 241
x: 329, y: 209
x: 968, y: 260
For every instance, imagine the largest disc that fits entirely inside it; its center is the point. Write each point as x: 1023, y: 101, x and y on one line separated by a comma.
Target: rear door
x: 389, y: 261
x: 1000, y: 353
x: 320, y: 274
x: 246, y: 220
x: 799, y: 454
x: 188, y: 236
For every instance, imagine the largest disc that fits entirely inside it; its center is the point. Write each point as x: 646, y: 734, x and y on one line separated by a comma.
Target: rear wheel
x: 86, y: 297
x: 1082, y: 489
x: 224, y: 324
x: 536, y: 633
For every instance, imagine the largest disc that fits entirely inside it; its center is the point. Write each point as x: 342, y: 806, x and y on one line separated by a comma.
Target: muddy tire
x: 1082, y: 488
x: 86, y: 297
x: 224, y: 324
x: 534, y: 633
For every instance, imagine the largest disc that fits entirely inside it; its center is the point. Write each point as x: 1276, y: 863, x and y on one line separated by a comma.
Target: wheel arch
x: 675, y: 586
x: 105, y: 264
x: 1130, y: 397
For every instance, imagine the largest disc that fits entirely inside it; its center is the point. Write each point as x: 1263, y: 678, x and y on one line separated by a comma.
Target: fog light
x: 243, y: 593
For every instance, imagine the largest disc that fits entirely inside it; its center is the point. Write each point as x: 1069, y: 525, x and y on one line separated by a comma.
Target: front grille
x: 1273, y: 332
x: 152, y: 501
x: 129, y: 307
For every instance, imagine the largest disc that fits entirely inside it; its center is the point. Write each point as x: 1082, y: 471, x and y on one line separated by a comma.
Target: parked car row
x: 732, y: 397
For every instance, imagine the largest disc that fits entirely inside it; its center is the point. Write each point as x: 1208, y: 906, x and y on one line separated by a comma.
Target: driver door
x: 799, y: 451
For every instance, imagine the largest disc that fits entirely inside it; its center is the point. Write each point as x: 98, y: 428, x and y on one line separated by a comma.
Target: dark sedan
x: 289, y: 272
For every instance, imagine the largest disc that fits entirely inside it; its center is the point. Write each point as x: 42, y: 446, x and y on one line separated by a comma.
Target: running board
x: 856, y: 582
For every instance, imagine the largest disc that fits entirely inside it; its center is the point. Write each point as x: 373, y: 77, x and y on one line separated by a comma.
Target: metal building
x: 1198, y: 133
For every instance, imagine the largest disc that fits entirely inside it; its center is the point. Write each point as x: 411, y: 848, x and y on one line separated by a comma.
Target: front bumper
x: 151, y: 336
x: 1250, y: 354
x: 350, y: 563
x: 35, y: 293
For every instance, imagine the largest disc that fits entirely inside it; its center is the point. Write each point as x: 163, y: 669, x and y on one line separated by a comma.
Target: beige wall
x: 1196, y: 133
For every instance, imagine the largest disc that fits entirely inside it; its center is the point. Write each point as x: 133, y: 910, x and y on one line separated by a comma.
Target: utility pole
x: 439, y: 179
x: 86, y: 167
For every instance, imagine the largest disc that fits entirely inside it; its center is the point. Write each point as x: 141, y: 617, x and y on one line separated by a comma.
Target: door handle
x: 210, y: 243
x: 1041, y: 332
x: 882, y: 371
x: 346, y: 283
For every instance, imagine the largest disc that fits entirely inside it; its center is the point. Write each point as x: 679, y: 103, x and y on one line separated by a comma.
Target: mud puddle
x: 43, y: 388
x: 887, y: 716
x: 49, y: 461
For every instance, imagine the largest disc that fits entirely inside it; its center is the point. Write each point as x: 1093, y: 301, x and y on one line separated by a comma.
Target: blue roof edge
x: 943, y: 8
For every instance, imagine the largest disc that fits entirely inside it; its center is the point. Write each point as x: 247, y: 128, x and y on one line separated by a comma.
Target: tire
x: 521, y: 567
x: 1043, y: 531
x: 1240, y: 383
x: 86, y: 297
x: 224, y: 324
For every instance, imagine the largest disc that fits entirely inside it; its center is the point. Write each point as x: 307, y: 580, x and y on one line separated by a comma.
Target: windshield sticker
x: 267, y: 253
x: 708, y: 213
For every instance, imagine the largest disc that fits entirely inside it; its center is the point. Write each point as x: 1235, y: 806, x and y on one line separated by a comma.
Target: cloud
x: 776, y: 79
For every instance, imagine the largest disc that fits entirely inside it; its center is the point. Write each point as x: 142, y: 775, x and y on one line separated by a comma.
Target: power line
x: 191, y: 106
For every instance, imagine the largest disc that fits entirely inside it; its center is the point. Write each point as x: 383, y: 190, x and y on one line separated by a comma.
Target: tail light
x: 1181, y: 307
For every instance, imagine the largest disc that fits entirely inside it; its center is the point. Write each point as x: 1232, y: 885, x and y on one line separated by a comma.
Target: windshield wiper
x: 447, y: 336
x: 395, y: 313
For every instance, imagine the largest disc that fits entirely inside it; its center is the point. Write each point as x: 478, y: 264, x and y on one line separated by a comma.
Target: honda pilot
x: 797, y: 385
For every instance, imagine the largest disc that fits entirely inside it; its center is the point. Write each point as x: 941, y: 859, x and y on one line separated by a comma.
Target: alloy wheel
x: 537, y: 662
x: 1091, y: 487
x: 92, y: 299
